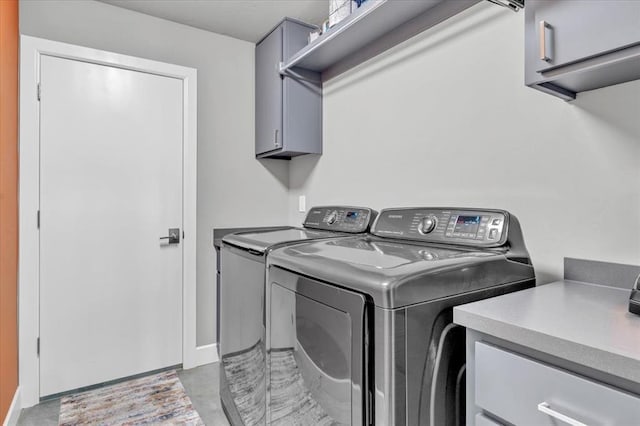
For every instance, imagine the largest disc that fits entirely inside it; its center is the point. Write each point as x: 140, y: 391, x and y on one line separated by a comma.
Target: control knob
x: 427, y: 224
x: 333, y: 216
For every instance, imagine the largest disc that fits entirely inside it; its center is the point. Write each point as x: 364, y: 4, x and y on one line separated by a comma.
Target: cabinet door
x: 269, y: 93
x: 571, y: 30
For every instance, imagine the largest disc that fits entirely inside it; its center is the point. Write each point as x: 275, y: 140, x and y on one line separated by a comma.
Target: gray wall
x: 442, y: 120
x: 445, y: 119
x: 230, y: 181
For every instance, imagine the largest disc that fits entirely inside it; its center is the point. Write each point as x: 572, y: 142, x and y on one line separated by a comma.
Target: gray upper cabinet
x: 578, y: 45
x: 288, y: 105
x: 269, y: 93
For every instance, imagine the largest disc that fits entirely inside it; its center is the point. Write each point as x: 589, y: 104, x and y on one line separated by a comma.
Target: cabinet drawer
x: 526, y: 392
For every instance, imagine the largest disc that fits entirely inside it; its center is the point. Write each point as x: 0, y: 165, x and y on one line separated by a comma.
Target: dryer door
x: 316, y: 352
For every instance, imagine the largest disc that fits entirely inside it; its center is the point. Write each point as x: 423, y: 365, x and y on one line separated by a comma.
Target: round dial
x: 333, y: 216
x: 427, y: 224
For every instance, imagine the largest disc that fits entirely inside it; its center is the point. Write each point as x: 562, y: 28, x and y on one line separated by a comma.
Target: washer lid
x: 263, y: 240
x: 396, y: 273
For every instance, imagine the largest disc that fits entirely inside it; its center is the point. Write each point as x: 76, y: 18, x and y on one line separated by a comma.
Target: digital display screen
x: 468, y: 220
x: 352, y: 215
x: 467, y: 226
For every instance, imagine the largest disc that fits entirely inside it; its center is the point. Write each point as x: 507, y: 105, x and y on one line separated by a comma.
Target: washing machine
x: 242, y: 310
x: 360, y: 330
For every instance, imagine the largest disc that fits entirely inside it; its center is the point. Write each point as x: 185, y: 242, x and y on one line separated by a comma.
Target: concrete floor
x: 201, y: 384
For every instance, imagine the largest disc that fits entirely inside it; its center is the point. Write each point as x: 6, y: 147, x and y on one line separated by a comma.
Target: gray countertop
x: 588, y: 324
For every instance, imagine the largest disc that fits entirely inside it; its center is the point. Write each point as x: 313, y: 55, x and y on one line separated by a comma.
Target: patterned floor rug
x: 155, y: 399
x: 245, y: 376
x: 291, y: 401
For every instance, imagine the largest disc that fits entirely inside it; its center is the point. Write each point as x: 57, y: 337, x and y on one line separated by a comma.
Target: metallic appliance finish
x: 241, y: 319
x: 335, y: 343
x: 411, y: 281
x: 388, y: 271
x: 320, y: 222
x: 405, y: 223
x: 242, y: 294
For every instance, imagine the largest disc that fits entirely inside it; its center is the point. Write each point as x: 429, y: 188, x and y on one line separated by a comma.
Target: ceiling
x: 244, y: 19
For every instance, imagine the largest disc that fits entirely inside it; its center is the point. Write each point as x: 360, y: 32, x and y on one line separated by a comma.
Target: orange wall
x: 8, y: 203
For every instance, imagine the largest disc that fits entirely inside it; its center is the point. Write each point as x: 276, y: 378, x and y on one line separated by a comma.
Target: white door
x: 110, y: 187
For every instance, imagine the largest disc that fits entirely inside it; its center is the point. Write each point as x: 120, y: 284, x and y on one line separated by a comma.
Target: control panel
x: 340, y: 219
x: 453, y: 226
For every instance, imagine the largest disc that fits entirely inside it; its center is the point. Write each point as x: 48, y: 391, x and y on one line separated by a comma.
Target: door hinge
x: 38, y: 219
x: 38, y: 346
x: 38, y: 91
x: 183, y: 235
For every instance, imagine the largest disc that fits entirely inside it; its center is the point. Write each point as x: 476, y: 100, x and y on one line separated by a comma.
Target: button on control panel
x: 456, y: 226
x: 427, y: 224
x: 340, y: 219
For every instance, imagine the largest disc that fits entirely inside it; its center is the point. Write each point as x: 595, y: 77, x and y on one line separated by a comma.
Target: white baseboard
x: 206, y: 354
x: 14, y: 410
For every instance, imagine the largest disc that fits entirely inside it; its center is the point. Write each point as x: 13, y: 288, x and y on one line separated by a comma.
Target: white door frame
x: 31, y: 50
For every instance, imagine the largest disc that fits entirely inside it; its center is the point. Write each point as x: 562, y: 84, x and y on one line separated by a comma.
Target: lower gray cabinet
x: 577, y: 45
x: 288, y: 106
x: 521, y: 391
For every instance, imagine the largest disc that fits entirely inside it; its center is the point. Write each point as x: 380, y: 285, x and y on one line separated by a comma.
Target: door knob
x: 173, y: 237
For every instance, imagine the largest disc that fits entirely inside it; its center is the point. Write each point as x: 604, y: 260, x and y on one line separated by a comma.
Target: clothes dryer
x: 360, y: 330
x: 241, y: 314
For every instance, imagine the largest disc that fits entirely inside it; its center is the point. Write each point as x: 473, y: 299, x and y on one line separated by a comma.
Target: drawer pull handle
x: 544, y: 407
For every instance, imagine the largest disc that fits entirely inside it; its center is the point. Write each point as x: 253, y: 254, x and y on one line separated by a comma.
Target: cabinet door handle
x: 275, y: 138
x: 544, y: 407
x: 543, y: 26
